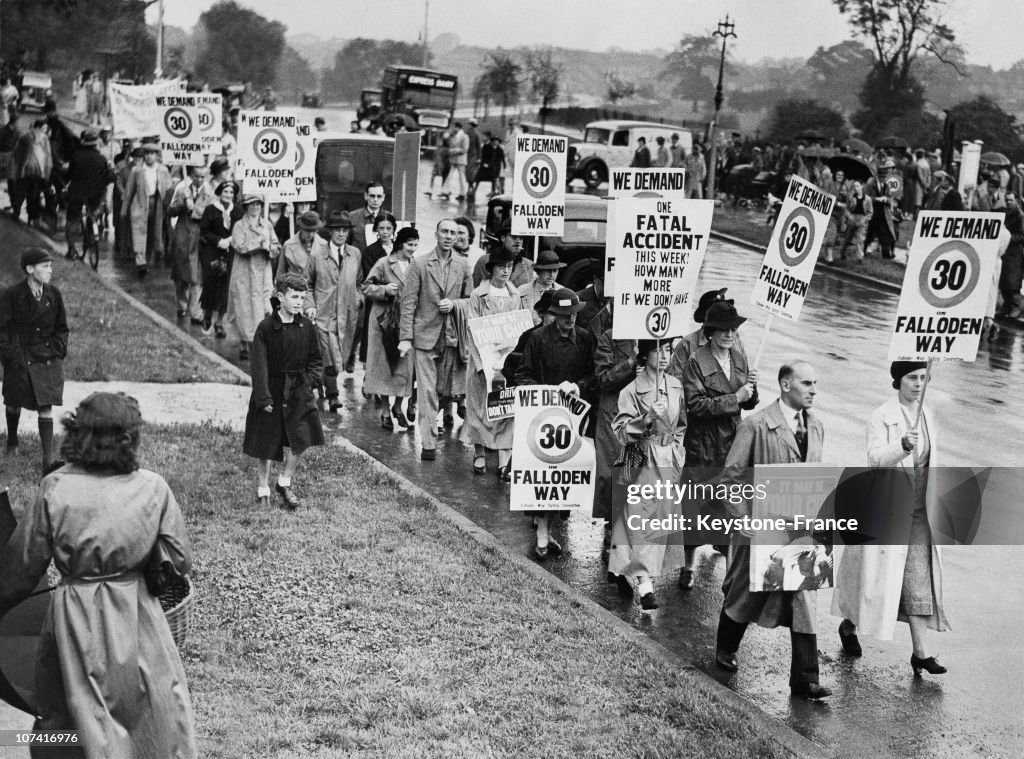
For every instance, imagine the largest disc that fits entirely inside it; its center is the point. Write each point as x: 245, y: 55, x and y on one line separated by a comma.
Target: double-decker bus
x: 413, y: 97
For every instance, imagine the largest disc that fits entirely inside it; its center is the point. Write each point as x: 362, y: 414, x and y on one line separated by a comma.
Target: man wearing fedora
x: 33, y: 344
x: 332, y: 300
x: 148, y: 188
x: 432, y: 283
x: 523, y: 273
x: 89, y: 175
x: 546, y: 269
x: 561, y: 354
x: 300, y: 246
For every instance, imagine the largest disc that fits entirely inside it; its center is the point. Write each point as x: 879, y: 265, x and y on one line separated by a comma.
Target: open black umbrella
x: 892, y: 143
x: 852, y: 166
x: 993, y: 158
x: 857, y: 146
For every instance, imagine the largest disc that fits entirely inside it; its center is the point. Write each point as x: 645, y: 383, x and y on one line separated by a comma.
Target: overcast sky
x: 990, y: 30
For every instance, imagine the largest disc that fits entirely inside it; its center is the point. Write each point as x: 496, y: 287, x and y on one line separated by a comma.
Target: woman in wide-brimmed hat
x: 255, y: 245
x: 215, y: 255
x: 546, y: 269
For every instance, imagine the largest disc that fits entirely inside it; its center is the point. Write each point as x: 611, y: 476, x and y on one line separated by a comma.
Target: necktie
x: 801, y: 435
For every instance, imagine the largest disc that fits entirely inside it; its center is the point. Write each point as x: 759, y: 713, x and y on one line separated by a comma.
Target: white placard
x: 133, y: 107
x: 538, y: 185
x: 180, y: 143
x: 266, y: 153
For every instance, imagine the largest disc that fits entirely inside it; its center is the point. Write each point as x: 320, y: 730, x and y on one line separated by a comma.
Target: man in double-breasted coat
x: 785, y: 432
x: 33, y: 344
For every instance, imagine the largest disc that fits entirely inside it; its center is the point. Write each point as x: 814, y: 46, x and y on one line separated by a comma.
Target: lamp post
x: 725, y: 31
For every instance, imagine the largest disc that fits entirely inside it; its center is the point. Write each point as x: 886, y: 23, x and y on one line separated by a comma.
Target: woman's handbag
x: 632, y: 459
x: 388, y: 320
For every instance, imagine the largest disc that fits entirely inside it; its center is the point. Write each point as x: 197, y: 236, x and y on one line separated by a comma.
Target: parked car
x: 610, y: 145
x: 36, y: 89
x: 586, y: 222
x: 346, y: 163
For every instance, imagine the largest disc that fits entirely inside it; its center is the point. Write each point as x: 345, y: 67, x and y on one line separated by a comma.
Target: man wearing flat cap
x: 148, y: 189
x: 300, y: 246
x: 33, y: 344
x: 332, y: 300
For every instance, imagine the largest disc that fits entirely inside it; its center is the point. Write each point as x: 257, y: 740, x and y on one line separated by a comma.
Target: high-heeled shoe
x: 929, y: 665
x: 504, y: 473
x: 410, y: 413
x: 386, y: 423
x: 396, y: 411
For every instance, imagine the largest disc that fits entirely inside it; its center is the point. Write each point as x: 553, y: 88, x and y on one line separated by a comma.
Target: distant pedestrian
x: 677, y: 153
x: 33, y: 167
x: 662, y: 157
x: 696, y: 172
x: 189, y: 201
x: 857, y: 217
x: 283, y: 420
x: 149, y: 188
x: 215, y: 256
x: 642, y: 154
x: 458, y: 153
x: 255, y: 246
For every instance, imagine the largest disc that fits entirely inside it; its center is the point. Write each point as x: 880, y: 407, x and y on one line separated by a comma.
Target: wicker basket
x: 177, y: 603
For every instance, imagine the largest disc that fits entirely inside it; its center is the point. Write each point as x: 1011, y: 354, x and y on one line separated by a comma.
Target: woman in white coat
x: 878, y: 585
x: 255, y: 245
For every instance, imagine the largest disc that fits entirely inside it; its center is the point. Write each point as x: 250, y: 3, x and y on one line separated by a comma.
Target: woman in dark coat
x: 718, y: 383
x: 215, y: 255
x: 283, y: 419
x: 33, y: 344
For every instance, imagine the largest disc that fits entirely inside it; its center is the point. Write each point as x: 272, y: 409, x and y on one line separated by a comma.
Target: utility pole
x: 725, y: 31
x: 160, y: 40
x: 426, y: 48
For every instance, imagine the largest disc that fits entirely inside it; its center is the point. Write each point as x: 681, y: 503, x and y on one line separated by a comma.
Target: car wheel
x: 577, y: 275
x: 594, y: 174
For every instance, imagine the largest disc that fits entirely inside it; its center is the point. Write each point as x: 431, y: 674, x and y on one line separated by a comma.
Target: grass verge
x: 111, y: 340
x: 364, y: 625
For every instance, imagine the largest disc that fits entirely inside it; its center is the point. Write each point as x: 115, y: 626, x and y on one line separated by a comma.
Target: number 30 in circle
x: 797, y: 237
x: 658, y: 321
x: 539, y: 176
x: 270, y: 145
x: 551, y: 437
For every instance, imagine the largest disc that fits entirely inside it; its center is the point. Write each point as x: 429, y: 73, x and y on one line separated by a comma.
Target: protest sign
x: 305, y: 168
x: 405, y: 175
x: 495, y: 336
x: 946, y: 287
x: 180, y: 143
x: 501, y: 404
x: 970, y: 163
x: 211, y: 121
x: 266, y: 152
x: 133, y: 108
x: 659, y: 246
x: 552, y: 463
x: 791, y: 547
x: 637, y: 183
x: 788, y: 265
x: 538, y: 185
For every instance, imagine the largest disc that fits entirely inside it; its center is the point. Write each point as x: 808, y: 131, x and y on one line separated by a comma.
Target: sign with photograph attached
x: 946, y: 287
x: 659, y: 246
x: 266, y: 152
x: 638, y: 183
x: 785, y: 273
x: 538, y: 185
x: 552, y: 462
x: 180, y: 130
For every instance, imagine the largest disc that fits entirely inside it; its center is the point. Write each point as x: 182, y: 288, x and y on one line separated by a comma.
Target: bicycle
x: 90, y: 236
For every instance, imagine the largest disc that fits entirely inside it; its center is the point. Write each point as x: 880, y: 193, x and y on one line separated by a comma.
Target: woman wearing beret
x: 878, y: 585
x: 255, y: 246
x: 215, y: 255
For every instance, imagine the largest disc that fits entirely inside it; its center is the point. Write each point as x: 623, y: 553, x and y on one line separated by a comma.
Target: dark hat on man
x: 338, y: 220
x: 900, y: 369
x: 309, y: 222
x: 498, y: 257
x: 722, y: 314
x: 149, y: 147
x: 543, y: 302
x: 137, y: 153
x: 506, y: 227
x: 548, y: 259
x: 218, y: 165
x: 33, y: 256
x: 89, y: 138
x: 711, y: 296
x: 565, y: 302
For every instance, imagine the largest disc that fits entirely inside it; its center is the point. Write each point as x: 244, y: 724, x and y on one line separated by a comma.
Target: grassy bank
x: 363, y: 625
x: 110, y: 340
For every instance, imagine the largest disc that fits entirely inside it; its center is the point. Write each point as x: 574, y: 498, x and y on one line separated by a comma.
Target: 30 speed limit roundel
x: 178, y: 122
x: 270, y: 145
x: 300, y: 157
x: 949, y: 274
x: 206, y: 120
x: 797, y: 238
x: 658, y: 321
x: 539, y: 176
x: 551, y: 437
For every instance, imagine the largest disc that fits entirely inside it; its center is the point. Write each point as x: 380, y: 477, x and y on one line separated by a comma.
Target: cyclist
x: 89, y: 174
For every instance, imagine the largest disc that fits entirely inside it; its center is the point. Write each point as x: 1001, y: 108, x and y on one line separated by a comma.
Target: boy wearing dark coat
x: 283, y: 419
x: 33, y: 344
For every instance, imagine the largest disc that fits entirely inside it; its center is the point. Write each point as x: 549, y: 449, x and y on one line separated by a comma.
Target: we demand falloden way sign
x: 946, y: 287
x: 266, y: 152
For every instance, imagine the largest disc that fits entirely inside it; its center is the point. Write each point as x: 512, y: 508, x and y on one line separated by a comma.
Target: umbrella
x: 892, y: 143
x: 993, y: 158
x: 857, y: 146
x: 852, y: 166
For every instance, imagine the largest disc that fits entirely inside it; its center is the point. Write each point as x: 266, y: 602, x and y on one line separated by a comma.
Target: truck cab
x: 346, y: 163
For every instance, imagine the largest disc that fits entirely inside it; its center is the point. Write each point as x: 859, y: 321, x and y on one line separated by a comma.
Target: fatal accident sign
x: 946, y: 287
x: 659, y: 246
x: 181, y: 141
x: 538, y: 185
x: 266, y: 152
x: 552, y: 462
x: 785, y: 273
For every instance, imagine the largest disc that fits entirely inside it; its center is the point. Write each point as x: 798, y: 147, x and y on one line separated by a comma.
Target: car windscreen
x: 595, y: 135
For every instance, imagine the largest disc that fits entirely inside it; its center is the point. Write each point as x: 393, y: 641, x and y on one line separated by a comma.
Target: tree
x: 618, y: 88
x: 840, y: 70
x: 899, y: 32
x: 791, y: 117
x: 360, y: 63
x: 687, y: 64
x: 239, y: 45
x: 294, y: 74
x: 545, y: 80
x: 502, y: 76
x: 982, y: 119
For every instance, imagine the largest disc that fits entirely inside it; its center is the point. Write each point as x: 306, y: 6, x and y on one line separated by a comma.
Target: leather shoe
x: 291, y: 501
x: 851, y: 645
x: 686, y: 578
x: 648, y: 602
x: 428, y: 454
x: 334, y: 405
x: 263, y: 501
x: 811, y: 691
x: 726, y: 661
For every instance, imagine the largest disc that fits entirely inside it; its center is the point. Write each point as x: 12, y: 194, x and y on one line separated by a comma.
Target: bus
x: 414, y: 97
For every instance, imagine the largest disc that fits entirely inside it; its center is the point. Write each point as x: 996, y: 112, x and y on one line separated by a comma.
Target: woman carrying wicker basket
x: 108, y: 666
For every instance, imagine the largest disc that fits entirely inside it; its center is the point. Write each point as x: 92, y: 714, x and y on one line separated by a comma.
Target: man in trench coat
x: 147, y: 191
x: 785, y: 432
x: 33, y: 344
